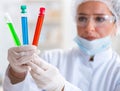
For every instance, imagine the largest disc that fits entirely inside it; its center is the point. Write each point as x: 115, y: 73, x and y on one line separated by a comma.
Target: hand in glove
x: 19, y: 56
x: 46, y: 76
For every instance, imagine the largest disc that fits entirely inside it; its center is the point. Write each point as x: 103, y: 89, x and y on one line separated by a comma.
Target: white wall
x: 6, y: 40
x: 69, y: 24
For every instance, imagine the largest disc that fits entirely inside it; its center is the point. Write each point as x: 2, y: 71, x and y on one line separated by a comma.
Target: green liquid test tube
x: 12, y: 30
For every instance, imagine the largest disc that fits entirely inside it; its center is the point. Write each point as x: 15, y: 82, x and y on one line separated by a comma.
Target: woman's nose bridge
x: 90, y: 23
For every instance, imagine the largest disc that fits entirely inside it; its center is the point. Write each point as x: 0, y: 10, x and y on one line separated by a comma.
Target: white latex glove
x: 19, y: 56
x: 46, y: 76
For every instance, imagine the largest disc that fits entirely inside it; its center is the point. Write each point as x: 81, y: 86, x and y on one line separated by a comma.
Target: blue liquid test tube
x: 24, y: 25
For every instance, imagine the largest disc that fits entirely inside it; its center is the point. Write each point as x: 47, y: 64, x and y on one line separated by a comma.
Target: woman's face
x: 94, y: 20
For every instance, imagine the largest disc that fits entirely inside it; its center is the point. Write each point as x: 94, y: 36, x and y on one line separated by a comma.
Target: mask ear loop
x: 118, y: 28
x: 114, y: 30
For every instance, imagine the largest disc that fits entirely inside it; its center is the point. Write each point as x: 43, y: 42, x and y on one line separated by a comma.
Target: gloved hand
x: 46, y: 76
x: 19, y: 56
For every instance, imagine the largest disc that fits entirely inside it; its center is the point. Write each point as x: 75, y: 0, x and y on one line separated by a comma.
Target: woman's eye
x: 100, y: 19
x: 82, y: 19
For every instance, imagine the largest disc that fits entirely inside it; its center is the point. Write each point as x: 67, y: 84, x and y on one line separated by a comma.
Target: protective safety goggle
x: 97, y: 20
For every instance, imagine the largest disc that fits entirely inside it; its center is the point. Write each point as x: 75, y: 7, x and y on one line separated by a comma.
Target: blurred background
x: 58, y: 28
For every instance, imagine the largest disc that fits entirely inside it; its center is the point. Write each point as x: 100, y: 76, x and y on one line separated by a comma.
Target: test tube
x: 38, y: 26
x: 12, y: 29
x: 24, y: 25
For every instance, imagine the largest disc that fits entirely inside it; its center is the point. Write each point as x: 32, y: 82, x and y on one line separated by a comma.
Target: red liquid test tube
x: 38, y: 26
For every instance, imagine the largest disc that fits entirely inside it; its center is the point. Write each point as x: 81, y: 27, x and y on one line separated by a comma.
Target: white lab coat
x: 102, y: 74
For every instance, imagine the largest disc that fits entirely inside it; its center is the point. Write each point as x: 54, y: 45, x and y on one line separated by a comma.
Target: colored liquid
x: 38, y: 30
x: 25, y: 30
x: 14, y: 35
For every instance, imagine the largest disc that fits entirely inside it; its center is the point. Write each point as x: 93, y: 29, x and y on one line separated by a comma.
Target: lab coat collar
x: 101, y: 58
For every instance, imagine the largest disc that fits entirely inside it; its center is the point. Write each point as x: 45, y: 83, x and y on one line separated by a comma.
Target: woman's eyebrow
x: 93, y: 14
x: 99, y: 14
x: 82, y: 14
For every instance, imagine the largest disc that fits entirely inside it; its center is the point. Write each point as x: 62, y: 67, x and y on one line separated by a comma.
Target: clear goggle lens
x: 99, y: 20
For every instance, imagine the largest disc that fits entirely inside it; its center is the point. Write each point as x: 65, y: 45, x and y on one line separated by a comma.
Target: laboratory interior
x: 58, y: 29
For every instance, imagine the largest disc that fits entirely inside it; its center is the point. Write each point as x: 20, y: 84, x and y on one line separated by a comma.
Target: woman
x: 92, y: 66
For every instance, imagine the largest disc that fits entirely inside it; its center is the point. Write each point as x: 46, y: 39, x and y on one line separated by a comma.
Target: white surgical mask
x: 94, y: 46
